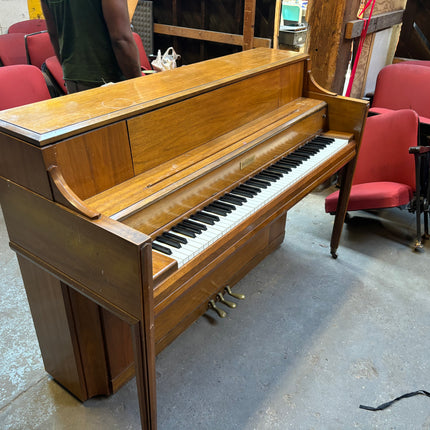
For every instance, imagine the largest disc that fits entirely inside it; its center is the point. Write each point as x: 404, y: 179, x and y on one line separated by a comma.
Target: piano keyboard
x: 190, y: 237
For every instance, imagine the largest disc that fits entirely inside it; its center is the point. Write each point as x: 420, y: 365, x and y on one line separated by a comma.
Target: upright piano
x: 135, y: 207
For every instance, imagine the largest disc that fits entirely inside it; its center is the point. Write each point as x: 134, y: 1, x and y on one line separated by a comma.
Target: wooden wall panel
x: 381, y: 6
x: 329, y: 50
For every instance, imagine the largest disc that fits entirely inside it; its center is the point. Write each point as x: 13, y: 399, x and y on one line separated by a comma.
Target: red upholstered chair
x: 38, y: 47
x: 12, y: 49
x: 21, y: 84
x: 54, y: 72
x: 386, y: 172
x: 144, y: 61
x: 28, y: 26
x: 404, y: 86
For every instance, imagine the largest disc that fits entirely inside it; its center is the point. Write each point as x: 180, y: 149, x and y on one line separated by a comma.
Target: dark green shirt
x: 85, y: 47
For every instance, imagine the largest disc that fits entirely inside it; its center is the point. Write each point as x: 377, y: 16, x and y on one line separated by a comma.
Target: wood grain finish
x: 59, y: 118
x: 24, y: 164
x: 93, y: 162
x: 145, y: 154
x: 211, y: 115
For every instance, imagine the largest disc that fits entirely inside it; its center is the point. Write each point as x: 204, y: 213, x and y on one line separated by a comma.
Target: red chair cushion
x: 373, y: 195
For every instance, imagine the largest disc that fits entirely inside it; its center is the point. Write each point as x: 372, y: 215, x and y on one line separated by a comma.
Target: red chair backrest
x: 28, y: 26
x: 21, y: 84
x: 12, y: 49
x: 403, y: 86
x: 384, y: 152
x: 55, y: 70
x: 144, y: 62
x: 38, y: 47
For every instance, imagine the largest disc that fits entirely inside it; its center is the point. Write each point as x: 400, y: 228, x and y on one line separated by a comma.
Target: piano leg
x: 346, y: 182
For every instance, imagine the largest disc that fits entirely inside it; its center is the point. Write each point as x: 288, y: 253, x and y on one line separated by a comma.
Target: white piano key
x: 226, y: 223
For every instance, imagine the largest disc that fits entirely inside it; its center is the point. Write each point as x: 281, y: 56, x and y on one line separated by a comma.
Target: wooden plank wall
x: 414, y: 39
x: 381, y: 7
x: 334, y: 30
x: 203, y: 29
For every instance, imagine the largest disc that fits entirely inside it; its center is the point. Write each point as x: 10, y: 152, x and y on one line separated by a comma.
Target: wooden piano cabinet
x: 89, y: 180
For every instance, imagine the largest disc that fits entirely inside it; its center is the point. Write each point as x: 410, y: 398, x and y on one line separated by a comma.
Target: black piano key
x: 291, y: 161
x: 183, y: 230
x: 242, y: 193
x: 278, y: 169
x: 315, y: 146
x: 215, y: 210
x: 266, y: 177
x: 196, y: 226
x: 258, y: 183
x: 224, y: 206
x: 175, y: 237
x: 269, y: 174
x: 308, y: 150
x: 250, y: 188
x: 236, y: 200
x: 161, y: 248
x: 287, y: 164
x: 167, y: 241
x: 211, y: 216
x: 323, y: 140
x: 273, y: 171
x: 287, y: 168
x: 203, y: 218
x: 295, y: 157
x: 302, y: 154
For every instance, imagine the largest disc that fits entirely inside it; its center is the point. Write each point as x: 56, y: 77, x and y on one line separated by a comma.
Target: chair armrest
x: 418, y: 150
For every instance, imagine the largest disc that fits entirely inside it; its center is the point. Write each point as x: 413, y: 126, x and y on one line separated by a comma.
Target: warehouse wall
x: 12, y: 11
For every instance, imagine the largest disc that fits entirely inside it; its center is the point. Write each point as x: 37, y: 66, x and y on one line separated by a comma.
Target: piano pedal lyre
x: 235, y: 295
x: 222, y: 300
x: 219, y: 311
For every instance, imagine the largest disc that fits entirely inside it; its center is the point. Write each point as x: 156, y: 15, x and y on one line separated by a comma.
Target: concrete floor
x: 313, y: 340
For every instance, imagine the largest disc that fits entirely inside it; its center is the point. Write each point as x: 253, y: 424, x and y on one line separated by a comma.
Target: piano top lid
x: 46, y: 122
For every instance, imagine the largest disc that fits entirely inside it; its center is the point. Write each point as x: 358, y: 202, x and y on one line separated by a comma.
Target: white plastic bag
x: 167, y: 61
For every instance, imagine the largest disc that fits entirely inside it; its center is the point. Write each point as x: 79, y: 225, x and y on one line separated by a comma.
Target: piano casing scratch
x: 90, y: 180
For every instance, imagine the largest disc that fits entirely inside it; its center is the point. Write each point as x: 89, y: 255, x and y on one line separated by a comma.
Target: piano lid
x: 48, y: 121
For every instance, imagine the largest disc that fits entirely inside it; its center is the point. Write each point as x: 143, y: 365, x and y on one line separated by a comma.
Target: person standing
x: 93, y: 41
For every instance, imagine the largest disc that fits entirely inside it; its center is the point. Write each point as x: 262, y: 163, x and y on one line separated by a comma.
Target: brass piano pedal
x: 235, y: 295
x: 226, y: 302
x: 219, y: 311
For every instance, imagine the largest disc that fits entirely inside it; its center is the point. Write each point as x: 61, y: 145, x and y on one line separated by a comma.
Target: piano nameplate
x: 247, y: 162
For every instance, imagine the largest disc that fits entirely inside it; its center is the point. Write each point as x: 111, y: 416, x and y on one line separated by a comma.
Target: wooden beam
x: 248, y: 24
x: 378, y: 22
x: 210, y: 36
x: 330, y: 52
x: 278, y: 9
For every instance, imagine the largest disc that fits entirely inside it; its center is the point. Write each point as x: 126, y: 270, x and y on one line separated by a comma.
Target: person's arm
x: 117, y: 19
x: 52, y: 29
